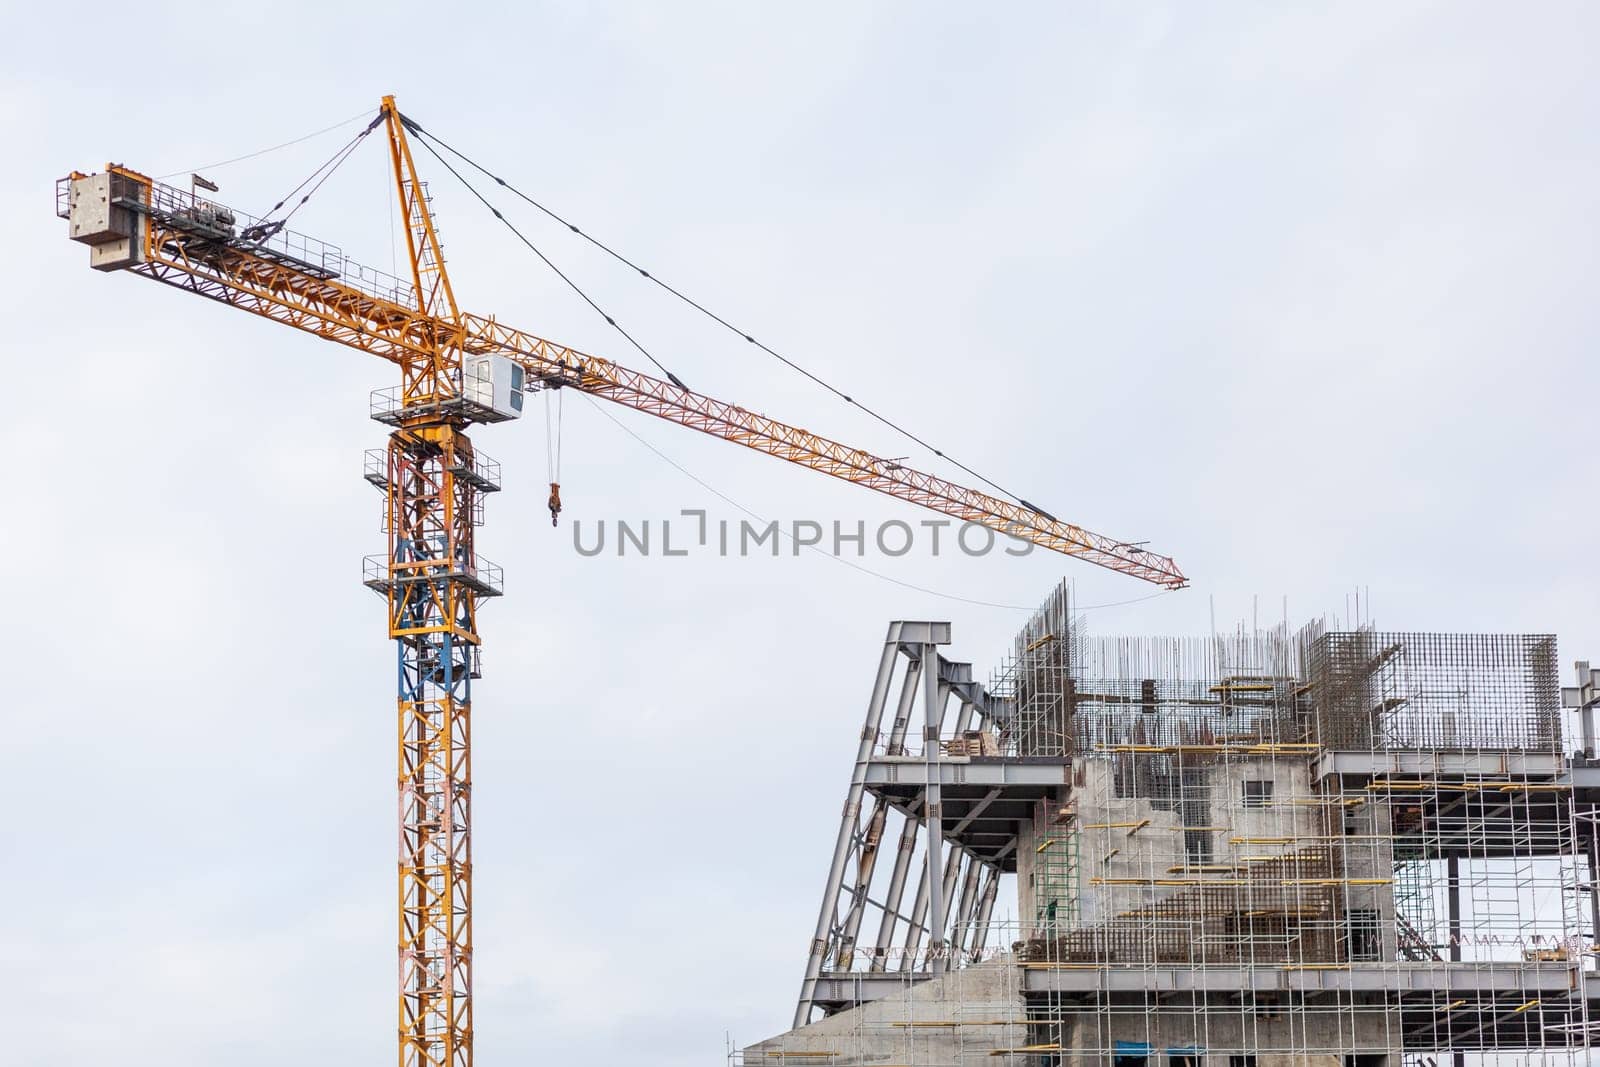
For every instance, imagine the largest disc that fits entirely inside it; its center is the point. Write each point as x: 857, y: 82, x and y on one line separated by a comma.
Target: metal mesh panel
x: 1435, y: 690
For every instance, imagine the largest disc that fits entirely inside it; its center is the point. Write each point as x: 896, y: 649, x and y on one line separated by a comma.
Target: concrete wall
x: 1222, y: 1031
x: 966, y: 1016
x: 1117, y: 865
x: 971, y: 1014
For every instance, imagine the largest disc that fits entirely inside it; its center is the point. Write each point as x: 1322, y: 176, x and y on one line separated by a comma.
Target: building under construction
x: 1321, y: 847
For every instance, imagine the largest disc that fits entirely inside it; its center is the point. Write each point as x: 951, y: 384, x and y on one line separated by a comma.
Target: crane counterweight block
x: 105, y: 212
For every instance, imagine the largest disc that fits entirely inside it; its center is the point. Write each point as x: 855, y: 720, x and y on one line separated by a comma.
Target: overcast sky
x: 1302, y: 298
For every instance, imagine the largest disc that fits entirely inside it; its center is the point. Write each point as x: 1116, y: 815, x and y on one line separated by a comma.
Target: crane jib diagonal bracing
x: 458, y: 369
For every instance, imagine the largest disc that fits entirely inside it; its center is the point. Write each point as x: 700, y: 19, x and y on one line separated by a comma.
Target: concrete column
x: 1452, y: 884
x: 1592, y: 847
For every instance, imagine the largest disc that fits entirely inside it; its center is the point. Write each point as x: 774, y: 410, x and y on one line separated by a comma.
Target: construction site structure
x: 1319, y: 848
x: 457, y: 370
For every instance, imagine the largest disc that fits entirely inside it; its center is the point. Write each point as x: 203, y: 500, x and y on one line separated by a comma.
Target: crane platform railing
x: 484, y: 577
x: 208, y: 220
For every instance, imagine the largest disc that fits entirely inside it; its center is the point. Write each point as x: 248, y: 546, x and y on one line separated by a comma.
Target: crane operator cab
x: 494, y: 387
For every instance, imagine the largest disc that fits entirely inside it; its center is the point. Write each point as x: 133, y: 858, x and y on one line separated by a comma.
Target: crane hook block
x: 555, y: 502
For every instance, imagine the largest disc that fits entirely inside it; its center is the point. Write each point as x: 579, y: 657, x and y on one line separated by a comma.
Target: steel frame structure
x: 955, y: 892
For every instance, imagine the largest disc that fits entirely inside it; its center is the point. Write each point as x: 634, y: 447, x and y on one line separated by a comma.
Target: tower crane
x: 458, y: 369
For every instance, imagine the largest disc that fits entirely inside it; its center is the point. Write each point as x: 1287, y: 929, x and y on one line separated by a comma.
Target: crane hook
x: 552, y: 445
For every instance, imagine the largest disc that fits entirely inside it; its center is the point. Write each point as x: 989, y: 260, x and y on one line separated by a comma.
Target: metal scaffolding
x: 1320, y: 847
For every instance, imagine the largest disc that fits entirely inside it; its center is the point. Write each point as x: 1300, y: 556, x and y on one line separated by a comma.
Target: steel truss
x: 955, y: 894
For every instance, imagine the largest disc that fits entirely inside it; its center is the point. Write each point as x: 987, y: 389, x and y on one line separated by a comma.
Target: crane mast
x: 433, y: 584
x: 457, y: 370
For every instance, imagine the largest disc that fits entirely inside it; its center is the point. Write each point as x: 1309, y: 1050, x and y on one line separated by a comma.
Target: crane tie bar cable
x: 267, y: 227
x: 363, y: 113
x: 610, y: 321
x: 327, y: 169
x: 427, y: 137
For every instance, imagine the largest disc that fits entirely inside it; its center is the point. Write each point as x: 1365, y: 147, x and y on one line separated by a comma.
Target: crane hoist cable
x: 552, y: 449
x: 427, y: 137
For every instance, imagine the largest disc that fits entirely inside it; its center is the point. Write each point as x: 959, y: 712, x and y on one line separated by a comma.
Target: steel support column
x: 918, y: 924
x: 895, y: 893
x: 933, y: 819
x: 849, y: 821
x: 980, y: 936
x: 962, y: 928
x: 867, y: 862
